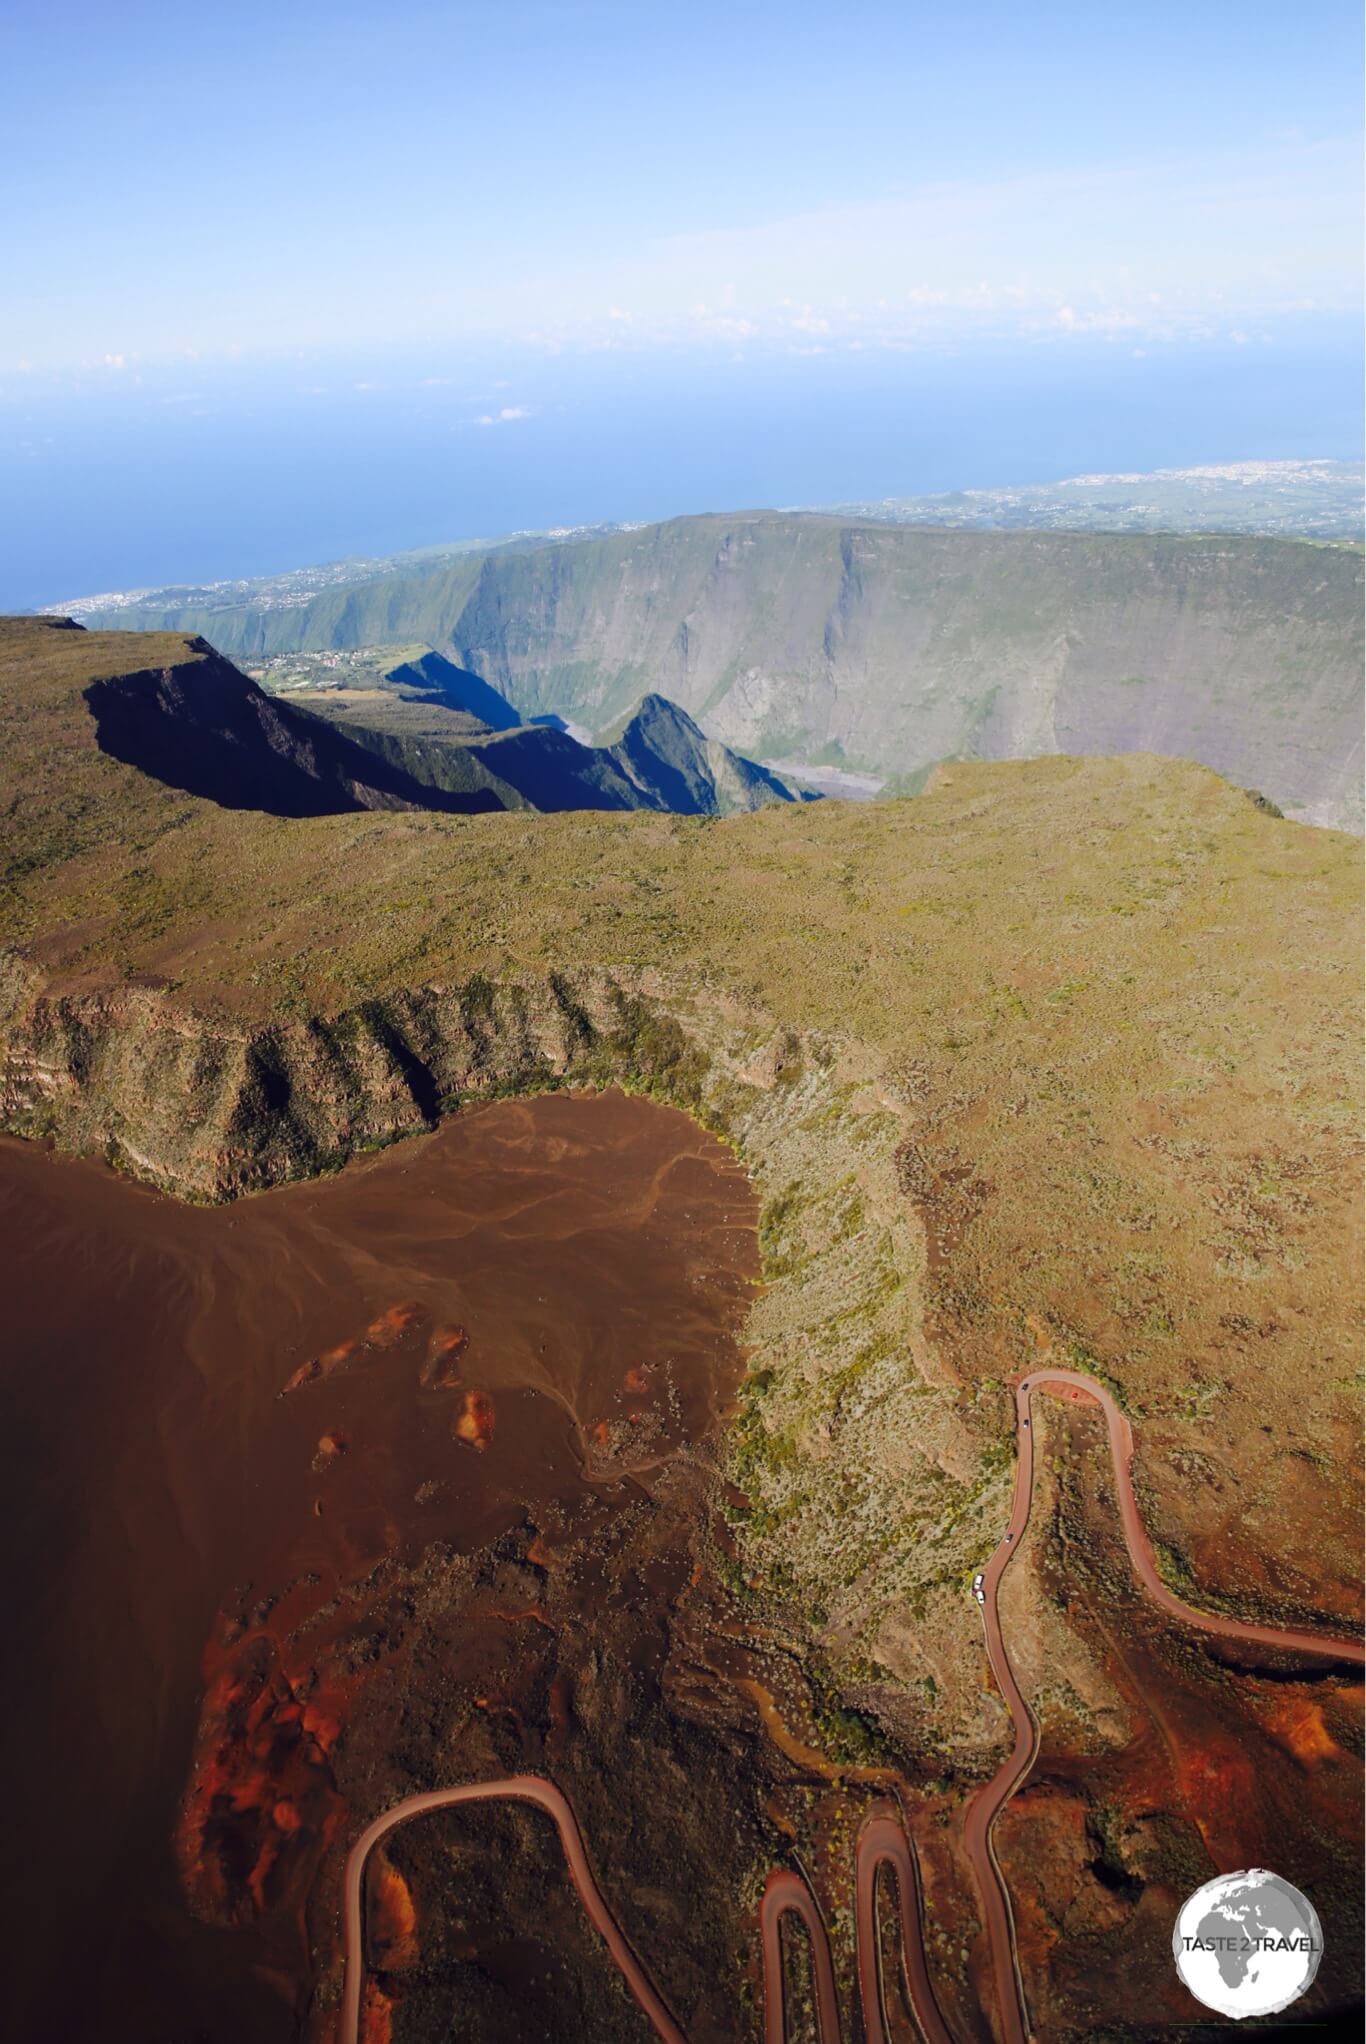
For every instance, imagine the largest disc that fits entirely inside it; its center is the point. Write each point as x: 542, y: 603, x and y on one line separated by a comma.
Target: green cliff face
x: 889, y: 648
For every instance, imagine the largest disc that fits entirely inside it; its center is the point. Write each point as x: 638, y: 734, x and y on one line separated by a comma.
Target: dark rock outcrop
x: 208, y: 729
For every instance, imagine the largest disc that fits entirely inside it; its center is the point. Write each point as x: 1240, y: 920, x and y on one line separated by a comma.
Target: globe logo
x: 1247, y: 1944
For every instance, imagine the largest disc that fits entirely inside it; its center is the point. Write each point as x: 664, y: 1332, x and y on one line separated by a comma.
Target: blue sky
x: 264, y: 177
x: 342, y: 201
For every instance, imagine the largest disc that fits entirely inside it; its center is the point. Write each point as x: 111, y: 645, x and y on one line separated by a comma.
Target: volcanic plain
x: 1054, y: 1062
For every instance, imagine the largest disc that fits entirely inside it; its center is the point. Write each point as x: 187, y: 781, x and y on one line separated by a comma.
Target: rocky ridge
x: 844, y: 642
x: 431, y: 737
x: 211, y: 1110
x: 1010, y: 1057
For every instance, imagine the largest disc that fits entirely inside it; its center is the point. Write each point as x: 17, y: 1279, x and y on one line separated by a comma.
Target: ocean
x: 148, y: 475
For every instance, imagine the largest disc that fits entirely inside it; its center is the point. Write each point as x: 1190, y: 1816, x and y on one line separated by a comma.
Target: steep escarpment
x: 428, y: 673
x: 211, y: 1109
x: 673, y: 763
x: 889, y: 650
x: 660, y: 759
x: 1059, y: 1054
x: 884, y: 648
x: 655, y: 757
x: 204, y: 727
x: 390, y: 610
x: 416, y: 743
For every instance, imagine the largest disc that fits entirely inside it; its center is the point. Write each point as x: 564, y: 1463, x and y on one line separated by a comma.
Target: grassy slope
x: 1119, y: 1003
x: 412, y: 738
x: 384, y: 710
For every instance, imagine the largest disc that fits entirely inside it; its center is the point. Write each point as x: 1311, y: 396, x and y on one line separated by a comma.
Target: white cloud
x: 1170, y: 246
x: 1100, y: 319
x: 1179, y: 247
x: 504, y: 416
x: 724, y: 326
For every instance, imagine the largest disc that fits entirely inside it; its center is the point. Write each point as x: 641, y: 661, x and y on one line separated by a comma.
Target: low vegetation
x: 1058, y: 1058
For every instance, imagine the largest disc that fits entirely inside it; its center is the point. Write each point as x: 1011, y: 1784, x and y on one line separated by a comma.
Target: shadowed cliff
x: 885, y: 649
x: 202, y: 726
x: 207, y: 729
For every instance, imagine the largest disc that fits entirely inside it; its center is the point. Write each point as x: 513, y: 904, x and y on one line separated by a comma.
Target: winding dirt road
x: 882, y: 1838
x: 784, y: 1891
x: 989, y: 1801
x: 524, y: 1788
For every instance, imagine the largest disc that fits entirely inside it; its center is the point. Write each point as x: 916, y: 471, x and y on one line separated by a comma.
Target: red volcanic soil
x: 261, y: 1783
x: 321, y: 1366
x: 250, y: 1624
x: 473, y: 1424
x: 377, y: 2015
x: 442, y: 1367
x: 225, y: 1602
x: 386, y: 1330
x: 391, y: 1920
x: 1235, y: 1757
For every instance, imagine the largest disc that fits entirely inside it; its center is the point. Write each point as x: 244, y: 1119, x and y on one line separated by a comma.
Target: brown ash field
x: 1057, y: 1061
